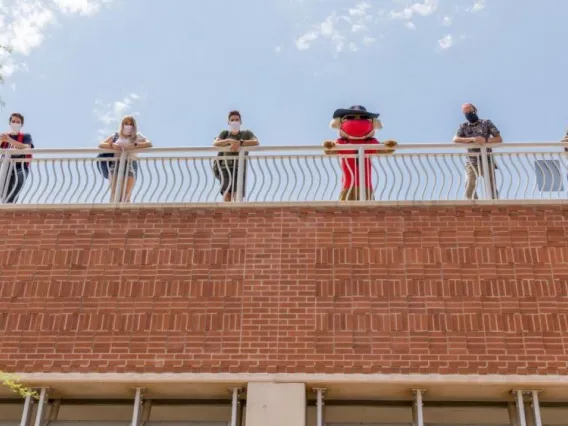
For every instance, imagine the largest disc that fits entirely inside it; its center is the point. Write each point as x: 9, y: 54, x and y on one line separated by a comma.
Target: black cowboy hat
x: 355, y: 109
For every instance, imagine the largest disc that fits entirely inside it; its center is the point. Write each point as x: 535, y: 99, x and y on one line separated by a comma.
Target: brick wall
x: 383, y: 289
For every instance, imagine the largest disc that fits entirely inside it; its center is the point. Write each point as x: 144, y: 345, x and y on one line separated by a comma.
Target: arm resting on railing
x: 250, y: 142
x: 329, y: 148
x: 495, y: 139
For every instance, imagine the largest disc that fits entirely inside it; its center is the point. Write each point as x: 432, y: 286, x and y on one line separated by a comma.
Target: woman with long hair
x: 126, y: 139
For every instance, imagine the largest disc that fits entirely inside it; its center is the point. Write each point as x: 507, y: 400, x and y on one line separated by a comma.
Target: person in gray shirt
x: 477, y: 131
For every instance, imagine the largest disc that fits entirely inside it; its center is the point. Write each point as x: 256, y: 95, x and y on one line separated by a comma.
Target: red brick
x: 394, y: 290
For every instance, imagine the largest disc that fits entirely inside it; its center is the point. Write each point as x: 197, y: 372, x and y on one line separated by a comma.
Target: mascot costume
x: 356, y: 126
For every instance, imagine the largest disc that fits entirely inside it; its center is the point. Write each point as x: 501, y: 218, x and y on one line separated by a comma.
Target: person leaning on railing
x: 356, y: 126
x: 226, y: 168
x: 480, y: 132
x: 565, y: 140
x: 126, y: 139
x: 18, y: 170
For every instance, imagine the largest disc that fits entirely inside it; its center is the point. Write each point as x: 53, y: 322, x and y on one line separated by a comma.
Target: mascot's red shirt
x: 350, y: 166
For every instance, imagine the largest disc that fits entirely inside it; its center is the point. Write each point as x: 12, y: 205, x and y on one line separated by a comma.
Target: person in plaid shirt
x: 477, y: 131
x: 19, y: 170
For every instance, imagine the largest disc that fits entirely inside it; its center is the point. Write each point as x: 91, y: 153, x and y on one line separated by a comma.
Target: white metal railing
x: 415, y: 172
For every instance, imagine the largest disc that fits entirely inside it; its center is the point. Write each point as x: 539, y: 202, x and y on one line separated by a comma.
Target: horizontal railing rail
x: 414, y: 172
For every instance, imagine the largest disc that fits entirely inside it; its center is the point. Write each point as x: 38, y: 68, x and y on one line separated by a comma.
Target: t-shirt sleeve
x: 28, y: 140
x: 222, y: 135
x: 493, y: 130
x: 140, y: 138
x: 461, y: 132
x: 248, y: 135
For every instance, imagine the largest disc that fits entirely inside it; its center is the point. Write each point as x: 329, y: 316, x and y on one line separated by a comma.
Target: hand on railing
x: 329, y: 147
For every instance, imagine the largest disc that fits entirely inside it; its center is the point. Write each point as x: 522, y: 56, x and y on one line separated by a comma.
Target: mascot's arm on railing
x: 329, y: 147
x: 389, y: 144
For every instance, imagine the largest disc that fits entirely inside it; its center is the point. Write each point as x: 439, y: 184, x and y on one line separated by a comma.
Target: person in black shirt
x: 19, y: 166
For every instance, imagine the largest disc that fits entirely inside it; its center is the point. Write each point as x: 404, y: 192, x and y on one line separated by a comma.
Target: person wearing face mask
x: 477, y: 131
x: 126, y: 139
x: 226, y: 167
x: 19, y: 170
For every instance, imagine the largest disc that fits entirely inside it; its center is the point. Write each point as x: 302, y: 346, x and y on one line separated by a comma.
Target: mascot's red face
x: 357, y: 126
x: 355, y: 123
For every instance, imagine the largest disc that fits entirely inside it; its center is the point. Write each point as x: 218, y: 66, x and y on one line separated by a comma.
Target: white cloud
x: 446, y: 42
x: 367, y: 21
x: 424, y: 8
x: 24, y: 25
x: 303, y: 42
x: 479, y: 5
x: 340, y: 29
x: 368, y: 40
x: 109, y: 114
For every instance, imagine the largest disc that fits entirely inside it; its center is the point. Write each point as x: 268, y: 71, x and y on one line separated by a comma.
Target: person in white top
x: 126, y: 139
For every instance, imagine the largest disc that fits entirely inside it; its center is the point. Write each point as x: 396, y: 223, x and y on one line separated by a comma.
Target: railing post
x: 362, y: 174
x: 120, y: 177
x: 486, y: 173
x: 4, y: 169
x: 241, y: 175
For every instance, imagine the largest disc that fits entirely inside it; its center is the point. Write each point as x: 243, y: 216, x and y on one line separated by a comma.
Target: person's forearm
x: 463, y: 140
x: 19, y: 145
x: 142, y: 145
x: 221, y: 142
x: 495, y: 139
x: 252, y: 142
x: 105, y: 145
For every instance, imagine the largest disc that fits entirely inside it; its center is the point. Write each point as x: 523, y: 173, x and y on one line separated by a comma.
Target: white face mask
x: 15, y: 127
x: 127, y: 129
x: 235, y: 126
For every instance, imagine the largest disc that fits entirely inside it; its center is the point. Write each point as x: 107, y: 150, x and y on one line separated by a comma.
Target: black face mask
x: 472, y: 117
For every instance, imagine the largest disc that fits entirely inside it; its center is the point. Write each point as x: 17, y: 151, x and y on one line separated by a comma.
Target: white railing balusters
x: 434, y: 172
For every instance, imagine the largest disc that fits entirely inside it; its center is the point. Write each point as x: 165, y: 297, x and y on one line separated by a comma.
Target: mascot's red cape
x: 356, y: 126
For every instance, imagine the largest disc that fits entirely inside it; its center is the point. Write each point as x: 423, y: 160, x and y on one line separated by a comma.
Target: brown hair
x: 234, y: 112
x: 17, y: 115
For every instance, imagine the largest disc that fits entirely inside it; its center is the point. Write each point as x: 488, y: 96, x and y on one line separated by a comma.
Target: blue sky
x: 286, y: 64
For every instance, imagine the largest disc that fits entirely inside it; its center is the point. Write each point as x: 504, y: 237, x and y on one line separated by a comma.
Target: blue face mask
x: 472, y: 117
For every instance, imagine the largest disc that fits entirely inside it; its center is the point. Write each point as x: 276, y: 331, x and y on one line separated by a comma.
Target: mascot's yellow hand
x: 391, y: 144
x: 329, y: 144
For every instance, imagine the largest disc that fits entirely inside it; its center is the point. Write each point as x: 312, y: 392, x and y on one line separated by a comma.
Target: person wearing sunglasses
x: 356, y: 126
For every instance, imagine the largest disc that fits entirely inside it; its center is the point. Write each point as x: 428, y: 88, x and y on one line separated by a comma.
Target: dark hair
x: 17, y: 115
x: 234, y: 112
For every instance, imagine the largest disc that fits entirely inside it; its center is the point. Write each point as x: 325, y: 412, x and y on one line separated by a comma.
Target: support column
x: 27, y: 413
x: 137, y: 409
x: 536, y: 408
x: 41, y: 407
x: 276, y: 404
x: 417, y: 411
x: 519, y: 402
x: 234, y: 405
x: 319, y: 405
